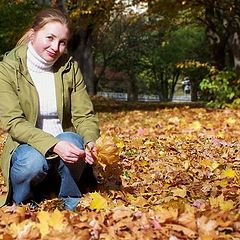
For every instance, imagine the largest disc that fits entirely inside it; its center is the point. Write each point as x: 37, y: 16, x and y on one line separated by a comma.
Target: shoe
x: 33, y: 205
x: 70, y: 203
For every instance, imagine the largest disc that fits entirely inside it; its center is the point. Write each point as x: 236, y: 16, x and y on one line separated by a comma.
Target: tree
x: 13, y: 12
x: 88, y: 18
x: 221, y: 21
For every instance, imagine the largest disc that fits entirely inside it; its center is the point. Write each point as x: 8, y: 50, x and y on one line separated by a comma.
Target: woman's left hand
x: 91, y: 153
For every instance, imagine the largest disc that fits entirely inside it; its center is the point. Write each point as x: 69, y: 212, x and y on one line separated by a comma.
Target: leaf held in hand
x: 107, y: 150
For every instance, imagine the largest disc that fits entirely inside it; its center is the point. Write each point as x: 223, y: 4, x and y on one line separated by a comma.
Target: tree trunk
x: 132, y: 90
x: 194, y: 89
x: 81, y: 49
x: 234, y: 44
x: 217, y: 35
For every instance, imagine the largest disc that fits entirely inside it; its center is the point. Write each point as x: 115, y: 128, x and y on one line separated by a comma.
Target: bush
x: 220, y: 89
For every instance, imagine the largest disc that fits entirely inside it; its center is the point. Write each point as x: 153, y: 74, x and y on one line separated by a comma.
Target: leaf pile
x: 177, y: 177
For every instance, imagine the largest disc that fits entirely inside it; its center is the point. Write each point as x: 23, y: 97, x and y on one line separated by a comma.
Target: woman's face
x: 50, y: 41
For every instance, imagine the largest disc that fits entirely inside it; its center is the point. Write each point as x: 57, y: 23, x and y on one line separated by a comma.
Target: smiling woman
x: 47, y: 113
x: 51, y: 41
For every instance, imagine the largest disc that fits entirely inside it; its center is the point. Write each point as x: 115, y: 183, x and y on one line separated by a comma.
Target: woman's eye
x: 63, y: 43
x: 50, y: 38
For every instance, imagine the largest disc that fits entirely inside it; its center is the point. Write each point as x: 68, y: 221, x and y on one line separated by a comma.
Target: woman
x: 46, y: 112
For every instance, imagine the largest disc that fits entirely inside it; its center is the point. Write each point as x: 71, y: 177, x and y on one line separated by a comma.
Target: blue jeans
x: 29, y: 168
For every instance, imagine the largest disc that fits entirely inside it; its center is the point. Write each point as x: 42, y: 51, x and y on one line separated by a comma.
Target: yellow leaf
x: 220, y: 202
x: 226, y: 205
x: 196, y: 125
x: 143, y: 163
x: 179, y: 192
x: 223, y: 183
x: 230, y: 121
x: 120, y: 144
x: 98, y: 202
x: 212, y: 165
x: 221, y: 134
x: 56, y: 220
x: 229, y: 173
x: 149, y: 142
x: 43, y: 225
x: 214, y: 201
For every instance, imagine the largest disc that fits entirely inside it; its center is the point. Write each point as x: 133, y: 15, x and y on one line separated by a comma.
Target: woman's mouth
x: 51, y: 54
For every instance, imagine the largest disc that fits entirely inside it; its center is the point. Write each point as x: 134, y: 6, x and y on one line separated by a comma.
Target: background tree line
x: 148, y: 51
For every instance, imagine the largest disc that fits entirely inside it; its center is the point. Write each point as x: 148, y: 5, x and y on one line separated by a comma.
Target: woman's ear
x: 31, y: 35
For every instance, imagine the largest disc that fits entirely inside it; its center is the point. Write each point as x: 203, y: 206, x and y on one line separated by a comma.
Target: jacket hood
x: 17, y: 56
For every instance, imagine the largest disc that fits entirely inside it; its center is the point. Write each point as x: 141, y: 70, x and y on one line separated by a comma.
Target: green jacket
x: 19, y: 106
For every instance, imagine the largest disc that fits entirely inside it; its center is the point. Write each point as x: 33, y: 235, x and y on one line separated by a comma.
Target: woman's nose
x: 55, y: 46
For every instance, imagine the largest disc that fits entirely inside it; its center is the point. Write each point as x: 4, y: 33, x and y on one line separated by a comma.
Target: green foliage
x: 15, y: 18
x: 219, y: 89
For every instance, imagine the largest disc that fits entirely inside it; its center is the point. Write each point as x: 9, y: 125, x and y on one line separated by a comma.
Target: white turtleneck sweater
x: 42, y: 75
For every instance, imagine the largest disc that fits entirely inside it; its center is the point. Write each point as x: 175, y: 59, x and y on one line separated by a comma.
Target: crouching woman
x: 46, y: 111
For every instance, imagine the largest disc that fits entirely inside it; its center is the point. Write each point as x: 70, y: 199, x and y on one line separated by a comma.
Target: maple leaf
x: 107, y: 150
x: 228, y: 173
x: 23, y: 230
x: 206, y: 228
x: 212, y: 165
x: 49, y: 220
x: 43, y: 225
x: 57, y: 220
x: 220, y: 202
x: 98, y: 202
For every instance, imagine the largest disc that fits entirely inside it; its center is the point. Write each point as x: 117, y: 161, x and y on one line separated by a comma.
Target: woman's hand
x: 91, y: 153
x: 68, y: 152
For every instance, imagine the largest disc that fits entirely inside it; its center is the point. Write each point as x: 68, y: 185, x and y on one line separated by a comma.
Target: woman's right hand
x: 68, y: 152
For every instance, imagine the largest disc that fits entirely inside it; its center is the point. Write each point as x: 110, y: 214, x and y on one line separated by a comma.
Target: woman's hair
x: 42, y: 18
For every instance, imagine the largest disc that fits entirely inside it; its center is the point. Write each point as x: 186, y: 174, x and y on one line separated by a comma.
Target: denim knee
x: 72, y: 137
x: 28, y: 164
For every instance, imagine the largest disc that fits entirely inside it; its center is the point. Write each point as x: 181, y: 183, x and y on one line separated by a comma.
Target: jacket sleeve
x: 13, y: 118
x: 84, y: 119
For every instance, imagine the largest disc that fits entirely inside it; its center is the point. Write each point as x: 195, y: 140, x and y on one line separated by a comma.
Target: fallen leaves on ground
x: 179, y: 173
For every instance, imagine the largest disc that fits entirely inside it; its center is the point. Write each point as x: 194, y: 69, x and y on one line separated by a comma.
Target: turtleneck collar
x: 36, y: 63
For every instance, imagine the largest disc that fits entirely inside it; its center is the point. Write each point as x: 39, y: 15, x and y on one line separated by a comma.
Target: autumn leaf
x: 107, y: 150
x: 228, y: 173
x: 207, y: 228
x: 49, y: 220
x: 23, y: 230
x: 174, y: 120
x: 221, y: 203
x: 212, y: 165
x: 196, y: 125
x: 230, y: 121
x: 98, y: 202
x: 179, y: 192
x: 43, y: 225
x: 57, y: 220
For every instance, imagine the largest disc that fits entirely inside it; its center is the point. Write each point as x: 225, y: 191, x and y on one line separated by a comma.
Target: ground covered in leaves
x: 177, y: 178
